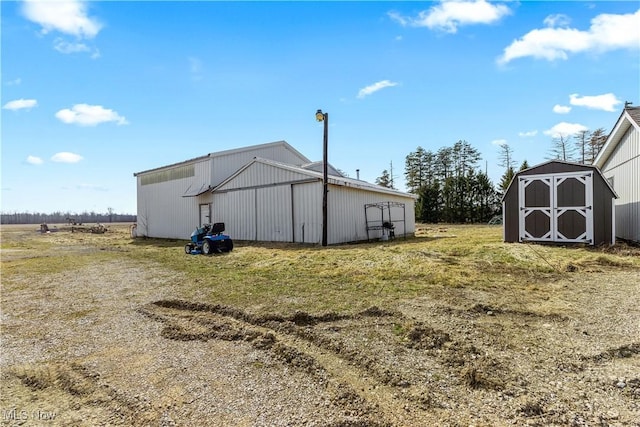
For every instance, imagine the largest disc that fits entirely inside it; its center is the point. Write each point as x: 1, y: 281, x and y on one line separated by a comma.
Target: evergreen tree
x: 429, y: 202
x: 384, y: 180
x: 524, y: 165
x: 506, y: 179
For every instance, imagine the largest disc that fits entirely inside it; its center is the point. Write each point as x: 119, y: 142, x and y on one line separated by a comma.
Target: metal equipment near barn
x: 559, y: 202
x: 376, y: 220
x: 209, y: 239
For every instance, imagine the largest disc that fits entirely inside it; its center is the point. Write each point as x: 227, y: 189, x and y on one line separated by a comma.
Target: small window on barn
x: 610, y: 181
x: 179, y: 172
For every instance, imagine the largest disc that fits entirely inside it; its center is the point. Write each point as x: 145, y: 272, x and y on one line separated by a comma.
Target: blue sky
x: 95, y: 91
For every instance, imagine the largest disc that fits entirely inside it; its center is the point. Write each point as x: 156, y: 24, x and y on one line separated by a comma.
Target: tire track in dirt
x: 362, y: 385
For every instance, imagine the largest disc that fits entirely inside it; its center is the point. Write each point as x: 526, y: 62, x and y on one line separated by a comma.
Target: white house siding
x: 162, y: 211
x: 346, y: 213
x: 623, y: 171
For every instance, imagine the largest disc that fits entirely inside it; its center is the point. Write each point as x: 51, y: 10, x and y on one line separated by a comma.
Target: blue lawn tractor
x: 209, y: 240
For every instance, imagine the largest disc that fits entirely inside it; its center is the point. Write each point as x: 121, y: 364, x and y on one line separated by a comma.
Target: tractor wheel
x: 228, y: 245
x: 206, y: 247
x: 187, y: 249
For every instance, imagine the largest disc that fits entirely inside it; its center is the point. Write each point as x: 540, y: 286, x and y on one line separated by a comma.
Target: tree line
x: 451, y: 187
x: 65, y: 217
x: 582, y: 147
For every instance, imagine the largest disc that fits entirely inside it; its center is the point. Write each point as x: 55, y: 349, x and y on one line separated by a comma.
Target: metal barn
x: 267, y: 192
x: 172, y: 200
x: 559, y: 202
x: 619, y: 160
x: 272, y: 201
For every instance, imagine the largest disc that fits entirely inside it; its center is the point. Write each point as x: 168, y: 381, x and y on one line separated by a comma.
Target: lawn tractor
x: 208, y: 240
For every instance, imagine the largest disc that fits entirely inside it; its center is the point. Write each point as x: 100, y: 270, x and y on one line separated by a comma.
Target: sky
x: 92, y: 92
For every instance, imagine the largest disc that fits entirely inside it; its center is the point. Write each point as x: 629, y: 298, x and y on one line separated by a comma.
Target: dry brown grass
x: 468, y: 330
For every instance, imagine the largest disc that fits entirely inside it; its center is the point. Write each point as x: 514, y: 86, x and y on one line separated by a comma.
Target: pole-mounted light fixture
x: 324, y: 117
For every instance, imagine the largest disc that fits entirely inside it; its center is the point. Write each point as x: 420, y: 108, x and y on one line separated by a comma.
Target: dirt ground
x: 110, y: 344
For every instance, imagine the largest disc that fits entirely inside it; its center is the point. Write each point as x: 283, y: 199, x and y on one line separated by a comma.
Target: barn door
x: 556, y: 208
x: 205, y: 213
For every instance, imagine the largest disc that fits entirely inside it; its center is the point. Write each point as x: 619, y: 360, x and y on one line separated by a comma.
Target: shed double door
x: 556, y: 207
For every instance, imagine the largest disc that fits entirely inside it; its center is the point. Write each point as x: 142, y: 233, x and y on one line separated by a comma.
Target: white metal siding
x: 307, y: 215
x: 260, y: 174
x: 224, y: 166
x: 624, y: 167
x: 237, y: 210
x: 274, y: 214
x: 346, y: 214
x: 163, y: 212
x: 256, y: 214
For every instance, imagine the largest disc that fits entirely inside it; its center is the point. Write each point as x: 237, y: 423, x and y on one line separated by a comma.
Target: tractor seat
x: 217, y: 228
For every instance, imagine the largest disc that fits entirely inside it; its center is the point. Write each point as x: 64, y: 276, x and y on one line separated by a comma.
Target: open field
x: 452, y: 327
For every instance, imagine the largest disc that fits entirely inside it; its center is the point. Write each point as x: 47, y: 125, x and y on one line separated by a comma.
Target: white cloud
x: 68, y: 17
x: 606, y: 102
x: 91, y: 187
x: 449, y: 15
x: 528, y: 134
x: 557, y: 20
x: 499, y: 142
x: 14, y: 82
x: 33, y: 160
x: 66, y: 157
x: 607, y: 32
x: 66, y: 47
x: 565, y: 129
x: 368, y: 90
x: 20, y: 104
x: 89, y: 115
x: 561, y: 109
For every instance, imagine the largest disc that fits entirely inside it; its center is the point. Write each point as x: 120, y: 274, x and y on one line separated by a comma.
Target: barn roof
x: 630, y: 117
x: 333, y: 179
x: 531, y: 171
x: 227, y: 152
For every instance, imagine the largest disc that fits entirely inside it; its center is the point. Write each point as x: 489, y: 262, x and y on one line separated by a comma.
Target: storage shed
x: 619, y: 161
x: 559, y: 202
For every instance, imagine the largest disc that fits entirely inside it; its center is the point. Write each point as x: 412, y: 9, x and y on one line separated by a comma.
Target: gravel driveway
x: 111, y: 344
